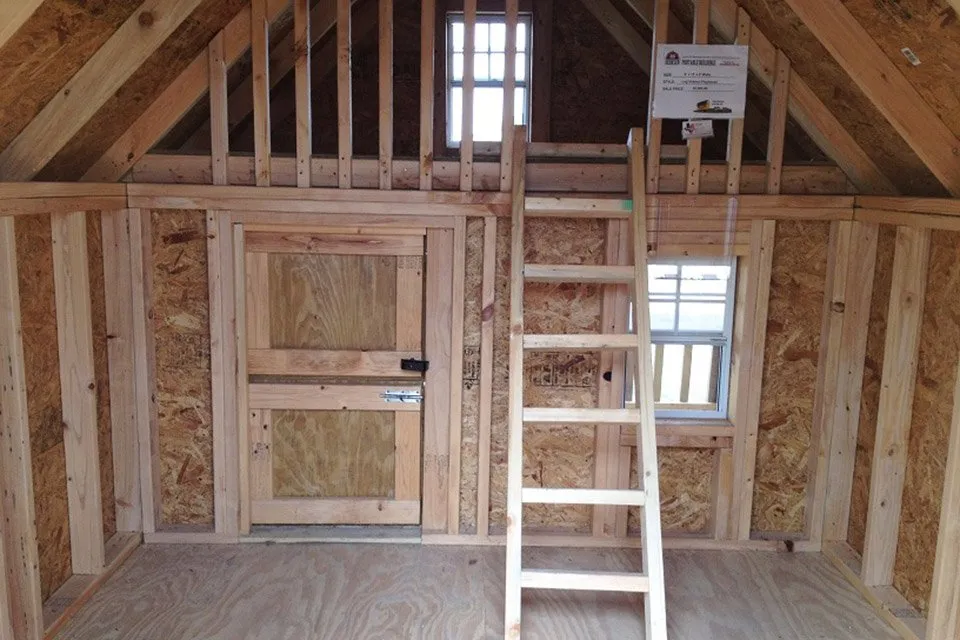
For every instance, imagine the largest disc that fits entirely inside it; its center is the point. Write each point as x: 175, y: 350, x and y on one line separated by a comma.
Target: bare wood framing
x: 118, y: 292
x: 778, y: 122
x: 385, y: 93
x: 409, y: 336
x: 701, y: 28
x: 83, y: 95
x: 830, y: 376
x: 428, y: 28
x: 751, y: 370
x: 277, y: 241
x: 260, y: 54
x: 145, y: 375
x: 308, y: 362
x: 6, y: 614
x: 456, y: 373
x: 901, y: 352
x: 846, y: 409
x: 943, y: 620
x: 219, y: 133
x: 14, y: 15
x: 488, y: 299
x: 344, y: 95
x: 661, y: 16
x: 885, y: 85
x: 437, y: 392
x: 336, y: 511
x: 318, y: 397
x: 466, y: 131
x: 735, y: 132
x: 71, y: 271
x: 302, y: 42
x: 511, y: 14
x: 19, y: 534
x: 253, y: 330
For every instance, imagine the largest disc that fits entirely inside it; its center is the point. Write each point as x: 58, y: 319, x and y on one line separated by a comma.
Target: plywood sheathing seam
x: 870, y: 390
x: 44, y: 408
x: 930, y: 423
x: 181, y: 324
x: 789, y: 375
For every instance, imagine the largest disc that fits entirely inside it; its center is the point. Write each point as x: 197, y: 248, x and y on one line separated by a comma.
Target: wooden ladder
x: 650, y: 581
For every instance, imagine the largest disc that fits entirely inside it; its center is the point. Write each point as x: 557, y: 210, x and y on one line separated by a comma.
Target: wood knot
x: 145, y: 19
x: 91, y: 386
x: 838, y: 307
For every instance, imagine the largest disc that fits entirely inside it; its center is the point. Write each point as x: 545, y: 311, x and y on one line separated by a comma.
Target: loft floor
x: 354, y: 591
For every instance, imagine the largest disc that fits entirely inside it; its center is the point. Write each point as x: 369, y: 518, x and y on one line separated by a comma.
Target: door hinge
x: 412, y: 364
x: 412, y: 396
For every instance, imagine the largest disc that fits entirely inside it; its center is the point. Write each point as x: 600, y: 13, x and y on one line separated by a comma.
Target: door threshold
x: 333, y: 534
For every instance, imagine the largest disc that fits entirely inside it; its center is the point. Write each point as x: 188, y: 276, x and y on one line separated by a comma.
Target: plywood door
x: 330, y: 315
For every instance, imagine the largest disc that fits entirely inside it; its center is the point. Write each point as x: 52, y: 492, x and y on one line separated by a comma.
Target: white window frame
x: 721, y: 339
x: 489, y: 17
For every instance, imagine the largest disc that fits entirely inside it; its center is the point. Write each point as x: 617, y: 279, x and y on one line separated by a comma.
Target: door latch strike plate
x: 412, y: 364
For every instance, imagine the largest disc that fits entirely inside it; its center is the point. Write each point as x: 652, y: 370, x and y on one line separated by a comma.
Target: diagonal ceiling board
x: 13, y: 13
x: 885, y: 86
x: 175, y: 101
x: 806, y: 108
x: 92, y: 86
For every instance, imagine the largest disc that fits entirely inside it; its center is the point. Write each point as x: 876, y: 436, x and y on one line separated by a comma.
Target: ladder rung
x: 580, y: 342
x: 584, y: 580
x: 616, y: 497
x: 583, y: 416
x: 602, y: 274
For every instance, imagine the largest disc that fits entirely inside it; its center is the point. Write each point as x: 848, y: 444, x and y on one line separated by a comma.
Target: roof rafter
x: 83, y: 95
x: 13, y: 14
x: 880, y: 80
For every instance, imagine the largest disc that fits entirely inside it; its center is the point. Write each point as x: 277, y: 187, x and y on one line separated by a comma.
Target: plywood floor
x: 345, y: 592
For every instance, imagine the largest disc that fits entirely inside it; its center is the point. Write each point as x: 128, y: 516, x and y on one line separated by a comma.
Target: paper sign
x: 700, y: 81
x: 697, y: 129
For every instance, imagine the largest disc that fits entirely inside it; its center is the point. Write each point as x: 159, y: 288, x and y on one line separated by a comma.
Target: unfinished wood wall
x: 789, y: 375
x: 182, y: 328
x: 44, y: 408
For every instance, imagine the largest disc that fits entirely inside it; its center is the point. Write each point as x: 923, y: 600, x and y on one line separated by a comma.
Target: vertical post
x: 846, y: 409
x: 895, y: 406
x: 778, y: 122
x: 428, y: 33
x: 661, y: 19
x: 488, y: 300
x: 701, y: 27
x: 301, y: 47
x: 71, y: 273
x: 466, y: 137
x: 386, y: 94
x: 344, y: 96
x: 509, y: 88
x: 145, y: 374
x: 260, y: 51
x: 735, y: 131
x: 219, y: 127
x: 18, y: 535
x: 458, y: 273
x: 118, y: 292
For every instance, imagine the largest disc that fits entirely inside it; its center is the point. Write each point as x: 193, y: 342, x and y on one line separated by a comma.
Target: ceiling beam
x: 625, y: 35
x: 83, y: 95
x: 805, y: 107
x: 178, y: 98
x: 13, y: 13
x: 883, y: 83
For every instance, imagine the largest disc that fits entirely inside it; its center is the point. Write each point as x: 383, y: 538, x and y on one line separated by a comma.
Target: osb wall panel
x: 789, y: 375
x: 101, y: 372
x: 333, y: 454
x: 182, y: 329
x: 930, y: 423
x: 870, y: 391
x: 472, y: 312
x: 686, y: 490
x: 44, y: 409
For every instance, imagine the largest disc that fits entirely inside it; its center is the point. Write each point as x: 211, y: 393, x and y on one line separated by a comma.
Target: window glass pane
x: 702, y: 372
x: 457, y: 36
x: 521, y: 36
x: 705, y: 279
x: 457, y: 66
x: 662, y: 316
x: 521, y: 67
x: 498, y: 36
x: 520, y: 106
x: 662, y: 278
x: 497, y: 63
x: 487, y: 114
x: 481, y: 67
x: 702, y: 316
x: 482, y: 42
x: 672, y: 374
x: 456, y: 114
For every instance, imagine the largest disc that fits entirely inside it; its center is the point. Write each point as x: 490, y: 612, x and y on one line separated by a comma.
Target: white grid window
x: 489, y: 63
x: 691, y: 322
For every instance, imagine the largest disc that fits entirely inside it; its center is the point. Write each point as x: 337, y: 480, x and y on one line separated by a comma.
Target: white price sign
x: 700, y: 81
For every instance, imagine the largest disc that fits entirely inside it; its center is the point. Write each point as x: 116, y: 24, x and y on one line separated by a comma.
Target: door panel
x: 329, y: 318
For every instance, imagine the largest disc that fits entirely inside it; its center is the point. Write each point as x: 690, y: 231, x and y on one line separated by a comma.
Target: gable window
x: 489, y: 61
x: 691, y: 321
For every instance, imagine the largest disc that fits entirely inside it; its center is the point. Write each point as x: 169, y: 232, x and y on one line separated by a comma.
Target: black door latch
x: 412, y: 364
